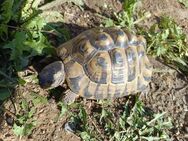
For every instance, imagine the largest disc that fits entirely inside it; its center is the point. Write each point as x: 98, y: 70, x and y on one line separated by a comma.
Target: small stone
x: 70, y: 127
x: 186, y: 129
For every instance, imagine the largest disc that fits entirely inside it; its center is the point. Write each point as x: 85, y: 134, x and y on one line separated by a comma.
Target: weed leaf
x: 4, y: 94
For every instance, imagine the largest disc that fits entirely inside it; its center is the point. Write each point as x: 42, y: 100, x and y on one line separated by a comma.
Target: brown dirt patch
x: 168, y: 93
x: 169, y: 8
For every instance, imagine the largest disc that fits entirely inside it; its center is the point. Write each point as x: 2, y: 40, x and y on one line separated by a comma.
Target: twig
x: 52, y: 4
x: 6, y: 76
x: 44, y: 31
x: 176, y: 69
x: 7, y: 85
x: 8, y: 112
x: 147, y: 15
x: 96, y: 127
x: 58, y: 3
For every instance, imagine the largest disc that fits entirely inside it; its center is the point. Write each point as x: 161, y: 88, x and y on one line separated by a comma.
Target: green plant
x: 166, y: 40
x: 133, y: 123
x: 22, y: 37
x: 184, y: 2
x: 20, y: 40
x: 26, y: 40
x: 129, y: 17
x: 24, y: 123
x: 137, y: 124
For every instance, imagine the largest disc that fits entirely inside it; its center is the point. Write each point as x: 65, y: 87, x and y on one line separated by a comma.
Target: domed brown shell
x: 103, y: 63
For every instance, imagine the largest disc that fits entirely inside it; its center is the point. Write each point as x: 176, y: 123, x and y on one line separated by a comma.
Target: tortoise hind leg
x: 70, y: 97
x: 144, y: 93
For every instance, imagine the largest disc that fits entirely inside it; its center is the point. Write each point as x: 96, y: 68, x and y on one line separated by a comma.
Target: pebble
x: 70, y: 127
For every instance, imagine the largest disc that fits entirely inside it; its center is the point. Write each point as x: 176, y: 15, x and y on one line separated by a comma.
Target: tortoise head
x: 52, y: 75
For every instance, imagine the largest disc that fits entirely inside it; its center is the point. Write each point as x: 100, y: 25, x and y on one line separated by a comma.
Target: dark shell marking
x: 107, y: 63
x: 98, y: 68
x: 118, y: 62
x: 119, y: 37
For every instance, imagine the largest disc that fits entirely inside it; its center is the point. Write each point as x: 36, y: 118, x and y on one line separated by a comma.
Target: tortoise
x: 100, y: 63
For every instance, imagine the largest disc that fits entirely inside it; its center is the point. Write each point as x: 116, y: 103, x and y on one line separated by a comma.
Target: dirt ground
x: 168, y: 89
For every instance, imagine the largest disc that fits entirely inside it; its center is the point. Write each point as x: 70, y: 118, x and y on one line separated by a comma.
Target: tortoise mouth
x: 45, y: 84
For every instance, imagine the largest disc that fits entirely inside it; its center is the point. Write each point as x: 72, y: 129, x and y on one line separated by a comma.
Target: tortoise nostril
x: 43, y: 82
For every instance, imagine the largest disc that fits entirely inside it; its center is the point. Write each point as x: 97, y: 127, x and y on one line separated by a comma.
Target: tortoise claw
x: 145, y: 93
x: 70, y: 97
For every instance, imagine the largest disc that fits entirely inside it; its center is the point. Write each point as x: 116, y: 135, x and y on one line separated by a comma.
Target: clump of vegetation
x: 22, y: 37
x: 21, y: 33
x: 184, y: 2
x: 167, y: 41
x: 129, y: 17
x: 25, y: 123
x: 20, y: 40
x: 134, y: 122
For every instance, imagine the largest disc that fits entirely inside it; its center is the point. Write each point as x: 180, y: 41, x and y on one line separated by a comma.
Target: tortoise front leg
x: 70, y: 97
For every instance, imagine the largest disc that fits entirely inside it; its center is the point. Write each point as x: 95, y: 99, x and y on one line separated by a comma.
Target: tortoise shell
x: 103, y: 63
